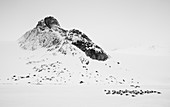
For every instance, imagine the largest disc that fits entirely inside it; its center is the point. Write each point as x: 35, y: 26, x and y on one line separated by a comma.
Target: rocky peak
x: 48, y: 33
x: 48, y: 22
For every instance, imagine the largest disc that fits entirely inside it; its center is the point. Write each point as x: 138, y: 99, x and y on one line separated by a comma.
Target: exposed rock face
x: 48, y: 33
x: 81, y: 41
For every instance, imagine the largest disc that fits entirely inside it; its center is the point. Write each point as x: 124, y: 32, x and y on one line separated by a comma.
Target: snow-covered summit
x: 49, y: 34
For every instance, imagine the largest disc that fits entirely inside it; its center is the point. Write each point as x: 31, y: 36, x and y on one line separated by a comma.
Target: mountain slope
x: 60, y: 56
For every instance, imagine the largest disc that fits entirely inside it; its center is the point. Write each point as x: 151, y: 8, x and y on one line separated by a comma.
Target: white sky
x: 109, y: 23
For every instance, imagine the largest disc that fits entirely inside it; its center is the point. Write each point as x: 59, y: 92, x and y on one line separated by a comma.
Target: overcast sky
x: 109, y: 23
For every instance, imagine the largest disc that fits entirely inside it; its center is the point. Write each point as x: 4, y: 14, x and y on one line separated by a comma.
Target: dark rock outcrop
x: 50, y: 21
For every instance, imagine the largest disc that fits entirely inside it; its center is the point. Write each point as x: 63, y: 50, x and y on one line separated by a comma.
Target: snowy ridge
x: 48, y: 33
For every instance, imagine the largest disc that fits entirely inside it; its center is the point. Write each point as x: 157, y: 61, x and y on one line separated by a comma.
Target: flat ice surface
x: 77, y: 96
x: 152, y: 71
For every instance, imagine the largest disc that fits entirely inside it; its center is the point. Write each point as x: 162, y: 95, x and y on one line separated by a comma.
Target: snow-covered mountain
x: 51, y: 55
x: 54, y: 55
x: 50, y: 35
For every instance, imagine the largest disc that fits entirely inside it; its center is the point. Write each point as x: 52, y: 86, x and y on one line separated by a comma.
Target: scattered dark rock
x: 27, y: 76
x: 154, y: 91
x: 87, y: 62
x: 137, y: 86
x: 133, y: 93
x: 84, y: 66
x: 126, y: 94
x: 22, y: 77
x: 133, y: 96
x: 158, y: 92
x: 81, y: 82
x: 108, y: 92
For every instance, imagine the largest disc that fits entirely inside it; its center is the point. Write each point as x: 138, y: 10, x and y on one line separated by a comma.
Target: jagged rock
x: 48, y: 33
x: 50, y: 21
